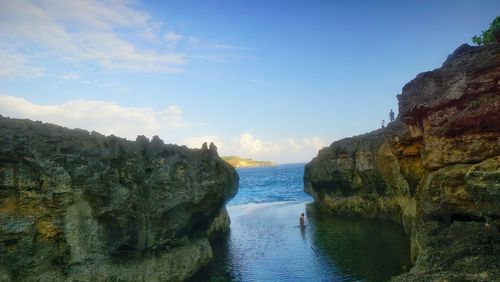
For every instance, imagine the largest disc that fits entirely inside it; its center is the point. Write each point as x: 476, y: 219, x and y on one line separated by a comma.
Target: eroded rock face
x: 80, y: 206
x: 436, y: 169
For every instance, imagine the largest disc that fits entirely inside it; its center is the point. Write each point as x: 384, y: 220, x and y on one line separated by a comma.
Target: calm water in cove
x: 267, y: 244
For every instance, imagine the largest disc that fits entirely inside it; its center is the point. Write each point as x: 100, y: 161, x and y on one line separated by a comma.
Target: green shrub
x: 488, y: 36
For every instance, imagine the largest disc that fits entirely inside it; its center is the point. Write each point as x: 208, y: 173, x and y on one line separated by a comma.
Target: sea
x: 266, y: 242
x: 271, y: 184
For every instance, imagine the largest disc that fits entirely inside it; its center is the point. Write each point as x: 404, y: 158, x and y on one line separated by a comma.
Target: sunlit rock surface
x: 237, y: 162
x: 80, y: 206
x: 436, y: 169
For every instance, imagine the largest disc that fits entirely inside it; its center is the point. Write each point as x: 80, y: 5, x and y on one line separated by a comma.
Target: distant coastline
x: 236, y: 161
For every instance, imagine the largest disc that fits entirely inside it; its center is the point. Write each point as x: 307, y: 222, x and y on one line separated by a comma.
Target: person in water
x: 301, y: 220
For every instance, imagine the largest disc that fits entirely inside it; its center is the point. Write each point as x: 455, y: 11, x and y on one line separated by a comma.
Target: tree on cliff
x: 490, y: 35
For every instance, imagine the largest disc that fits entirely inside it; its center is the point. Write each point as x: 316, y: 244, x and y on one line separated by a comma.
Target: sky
x: 265, y: 79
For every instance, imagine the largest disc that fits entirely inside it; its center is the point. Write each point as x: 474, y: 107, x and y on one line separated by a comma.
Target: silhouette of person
x: 383, y: 123
x: 391, y: 115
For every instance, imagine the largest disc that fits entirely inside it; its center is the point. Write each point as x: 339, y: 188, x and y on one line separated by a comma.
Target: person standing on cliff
x: 391, y: 116
x: 382, y: 123
x: 302, y: 220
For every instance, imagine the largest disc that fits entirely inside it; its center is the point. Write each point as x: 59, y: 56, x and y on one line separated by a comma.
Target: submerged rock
x: 80, y: 206
x: 436, y: 169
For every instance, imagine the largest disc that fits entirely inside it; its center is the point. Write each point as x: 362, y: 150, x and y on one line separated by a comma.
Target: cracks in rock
x: 460, y: 217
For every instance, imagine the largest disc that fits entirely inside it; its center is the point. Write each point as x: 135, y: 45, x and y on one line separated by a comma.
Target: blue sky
x: 273, y: 80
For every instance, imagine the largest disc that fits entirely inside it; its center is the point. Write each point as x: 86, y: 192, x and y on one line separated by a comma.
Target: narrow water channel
x: 266, y: 243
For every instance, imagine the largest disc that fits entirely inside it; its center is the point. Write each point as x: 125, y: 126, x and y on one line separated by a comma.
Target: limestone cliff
x: 436, y: 169
x: 80, y: 206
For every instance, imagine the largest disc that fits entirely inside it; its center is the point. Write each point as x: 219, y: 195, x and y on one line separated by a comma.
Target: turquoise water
x: 267, y: 244
x: 271, y: 184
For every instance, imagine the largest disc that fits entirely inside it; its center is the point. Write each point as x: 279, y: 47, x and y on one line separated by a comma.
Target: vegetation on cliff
x: 491, y: 35
x: 236, y: 161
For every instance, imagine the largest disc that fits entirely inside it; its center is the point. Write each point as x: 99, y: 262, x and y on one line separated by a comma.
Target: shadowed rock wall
x: 80, y: 206
x: 436, y: 169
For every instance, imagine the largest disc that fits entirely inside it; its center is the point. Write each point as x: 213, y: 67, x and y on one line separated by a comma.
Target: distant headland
x: 236, y: 161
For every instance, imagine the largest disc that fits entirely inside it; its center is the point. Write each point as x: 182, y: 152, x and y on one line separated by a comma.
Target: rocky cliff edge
x: 436, y: 169
x: 80, y: 206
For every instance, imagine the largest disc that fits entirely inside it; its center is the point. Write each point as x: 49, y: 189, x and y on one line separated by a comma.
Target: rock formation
x: 80, y: 206
x: 436, y: 169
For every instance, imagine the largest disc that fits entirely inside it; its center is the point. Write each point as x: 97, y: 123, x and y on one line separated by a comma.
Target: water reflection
x: 363, y: 249
x: 267, y: 244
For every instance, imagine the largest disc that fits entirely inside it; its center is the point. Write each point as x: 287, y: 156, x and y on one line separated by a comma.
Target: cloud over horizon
x: 248, y: 146
x: 105, y: 117
x: 288, y: 150
x: 129, y: 122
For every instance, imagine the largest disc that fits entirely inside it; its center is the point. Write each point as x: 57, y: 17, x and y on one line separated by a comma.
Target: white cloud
x: 226, y: 47
x: 70, y: 76
x: 173, y: 39
x: 111, y: 118
x: 172, y: 117
x: 194, y: 42
x: 111, y: 34
x: 14, y: 65
x: 112, y: 52
x: 104, y: 117
x: 221, y: 58
x: 173, y: 110
x: 219, y: 53
x: 85, y: 31
x: 151, y: 32
x: 250, y: 144
x: 281, y: 151
x: 314, y: 142
x: 96, y: 14
x: 293, y: 144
